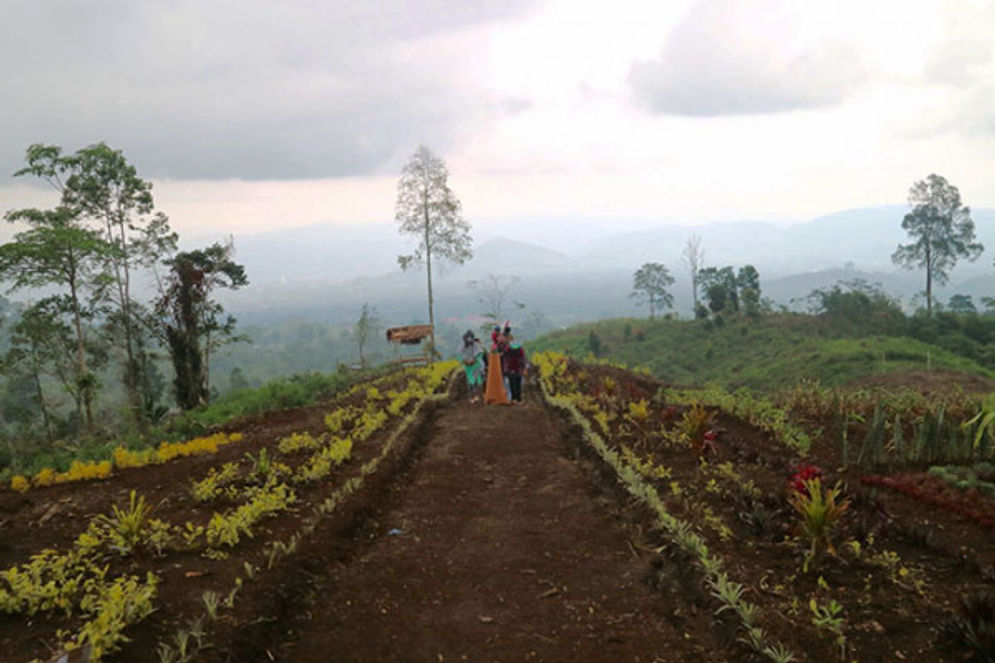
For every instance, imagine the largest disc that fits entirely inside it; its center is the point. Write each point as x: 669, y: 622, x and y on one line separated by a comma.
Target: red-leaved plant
x: 805, y: 472
x: 925, y: 488
x: 670, y: 414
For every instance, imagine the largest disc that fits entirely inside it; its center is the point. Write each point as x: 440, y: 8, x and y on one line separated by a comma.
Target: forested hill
x: 767, y: 352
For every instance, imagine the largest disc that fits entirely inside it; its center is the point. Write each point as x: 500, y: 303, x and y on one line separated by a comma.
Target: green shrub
x: 295, y: 391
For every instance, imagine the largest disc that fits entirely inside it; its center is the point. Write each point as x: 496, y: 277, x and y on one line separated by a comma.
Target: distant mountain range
x: 573, y: 270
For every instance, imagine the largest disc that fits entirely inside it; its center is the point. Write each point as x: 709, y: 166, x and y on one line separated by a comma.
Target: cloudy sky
x: 256, y: 114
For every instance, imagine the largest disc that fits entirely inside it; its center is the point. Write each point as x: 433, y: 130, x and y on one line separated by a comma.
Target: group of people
x: 497, y: 373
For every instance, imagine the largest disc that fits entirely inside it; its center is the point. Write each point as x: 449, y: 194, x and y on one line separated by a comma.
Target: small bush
x: 974, y: 627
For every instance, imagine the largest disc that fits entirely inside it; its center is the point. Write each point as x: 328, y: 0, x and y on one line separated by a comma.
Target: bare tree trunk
x: 693, y: 256
x: 207, y: 368
x: 44, y: 410
x: 929, y: 283
x: 122, y: 275
x: 85, y: 388
x: 35, y: 373
x: 133, y: 371
x: 431, y: 301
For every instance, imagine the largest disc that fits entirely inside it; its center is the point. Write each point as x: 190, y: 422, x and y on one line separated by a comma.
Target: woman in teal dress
x: 472, y: 356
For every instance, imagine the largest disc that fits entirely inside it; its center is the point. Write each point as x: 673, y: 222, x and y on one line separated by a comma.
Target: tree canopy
x: 189, y: 317
x: 941, y: 231
x: 55, y: 251
x: 650, y: 285
x: 101, y: 193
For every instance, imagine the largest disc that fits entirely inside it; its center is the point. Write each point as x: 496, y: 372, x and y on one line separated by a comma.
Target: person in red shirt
x: 514, y: 365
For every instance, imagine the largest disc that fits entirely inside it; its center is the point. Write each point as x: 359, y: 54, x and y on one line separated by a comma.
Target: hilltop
x: 765, y: 353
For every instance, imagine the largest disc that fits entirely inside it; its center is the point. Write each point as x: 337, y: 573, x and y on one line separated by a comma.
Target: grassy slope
x: 766, y: 353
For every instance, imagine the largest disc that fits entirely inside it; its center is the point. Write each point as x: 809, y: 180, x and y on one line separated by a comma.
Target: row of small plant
x: 75, y: 583
x: 188, y: 640
x: 328, y: 450
x: 346, y: 426
x: 979, y: 477
x: 931, y: 490
x: 811, y: 401
x: 891, y: 442
x: 895, y: 429
x: 122, y: 457
x: 556, y: 389
x: 820, y: 509
x: 759, y: 411
x: 125, y: 458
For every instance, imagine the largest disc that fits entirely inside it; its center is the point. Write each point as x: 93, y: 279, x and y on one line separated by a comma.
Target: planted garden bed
x: 181, y: 536
x: 804, y: 561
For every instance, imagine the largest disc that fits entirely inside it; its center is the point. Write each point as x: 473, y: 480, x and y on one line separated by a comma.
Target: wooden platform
x: 409, y: 335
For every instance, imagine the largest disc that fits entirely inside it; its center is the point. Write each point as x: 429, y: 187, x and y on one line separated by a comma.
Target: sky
x: 264, y: 114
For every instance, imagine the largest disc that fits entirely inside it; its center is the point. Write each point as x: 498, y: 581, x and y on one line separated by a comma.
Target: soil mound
x: 927, y: 382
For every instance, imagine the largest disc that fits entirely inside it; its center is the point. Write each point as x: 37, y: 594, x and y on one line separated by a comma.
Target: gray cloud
x: 251, y: 89
x: 712, y: 65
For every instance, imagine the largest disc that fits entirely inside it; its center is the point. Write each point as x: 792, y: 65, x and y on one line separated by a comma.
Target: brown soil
x: 494, y: 546
x: 495, y: 534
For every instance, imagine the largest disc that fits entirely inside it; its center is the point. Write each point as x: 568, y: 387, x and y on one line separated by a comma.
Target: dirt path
x: 494, y: 547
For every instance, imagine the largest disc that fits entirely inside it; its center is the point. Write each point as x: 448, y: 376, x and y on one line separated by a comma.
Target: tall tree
x: 99, y: 185
x: 218, y: 326
x: 649, y: 285
x: 748, y: 283
x: 693, y: 257
x: 366, y: 328
x: 188, y: 315
x: 428, y: 210
x: 721, y: 288
x: 57, y: 251
x: 941, y: 229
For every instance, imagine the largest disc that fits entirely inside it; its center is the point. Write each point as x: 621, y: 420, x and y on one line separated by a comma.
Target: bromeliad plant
x: 805, y: 472
x: 130, y: 528
x: 694, y: 428
x: 820, y: 510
